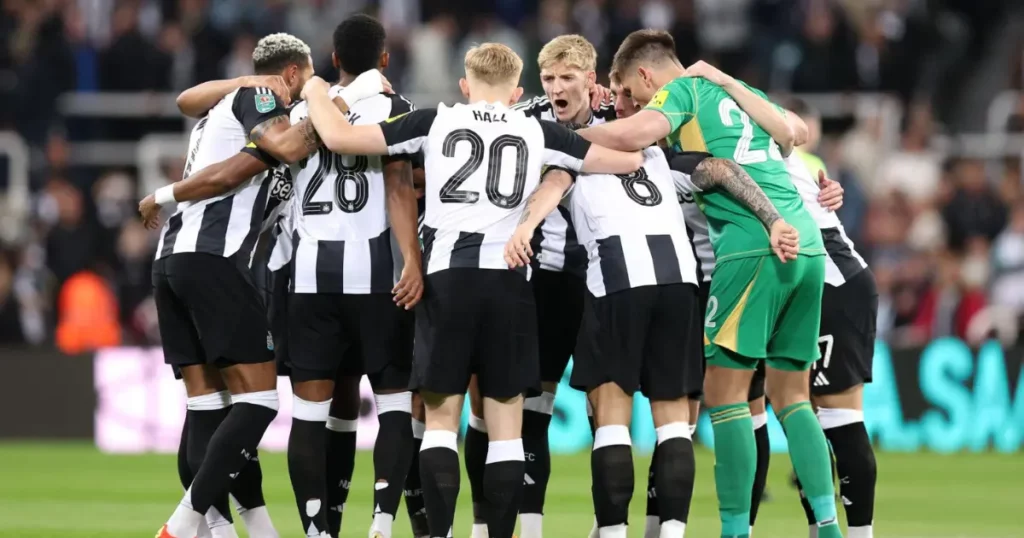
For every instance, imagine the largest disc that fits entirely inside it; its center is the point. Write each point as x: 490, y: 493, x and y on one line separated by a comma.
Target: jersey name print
x: 481, y: 162
x: 230, y: 223
x: 632, y: 228
x: 555, y: 245
x: 342, y: 236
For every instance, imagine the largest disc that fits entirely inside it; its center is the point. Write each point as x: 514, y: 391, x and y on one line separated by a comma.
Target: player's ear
x: 334, y: 61
x: 591, y: 79
x: 464, y: 86
x: 645, y: 75
x: 516, y: 95
x: 385, y: 58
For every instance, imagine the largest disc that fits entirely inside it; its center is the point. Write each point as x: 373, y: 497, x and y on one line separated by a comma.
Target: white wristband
x: 365, y: 85
x: 165, y: 195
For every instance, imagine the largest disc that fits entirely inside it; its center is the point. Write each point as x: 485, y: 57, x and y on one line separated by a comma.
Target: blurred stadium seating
x: 921, y: 99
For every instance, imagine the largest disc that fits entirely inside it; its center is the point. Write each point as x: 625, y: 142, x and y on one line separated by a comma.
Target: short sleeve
x: 399, y: 106
x: 267, y: 158
x: 253, y: 106
x: 562, y: 147
x: 677, y: 100
x: 406, y: 133
x: 687, y: 161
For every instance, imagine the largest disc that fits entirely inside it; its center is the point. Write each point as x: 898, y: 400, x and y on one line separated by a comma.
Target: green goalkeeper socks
x: 808, y: 450
x: 735, y: 463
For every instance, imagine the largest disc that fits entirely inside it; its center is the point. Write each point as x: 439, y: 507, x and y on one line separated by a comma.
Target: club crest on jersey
x: 265, y: 102
x: 658, y: 100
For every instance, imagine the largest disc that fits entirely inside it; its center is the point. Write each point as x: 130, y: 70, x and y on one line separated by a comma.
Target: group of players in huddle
x: 683, y: 250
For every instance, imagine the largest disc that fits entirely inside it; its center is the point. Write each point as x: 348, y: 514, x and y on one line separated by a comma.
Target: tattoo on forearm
x: 714, y: 172
x: 310, y: 139
x: 257, y: 132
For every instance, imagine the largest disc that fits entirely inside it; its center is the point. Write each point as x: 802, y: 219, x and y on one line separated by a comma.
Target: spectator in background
x: 1008, y: 263
x: 134, y: 281
x: 684, y: 31
x: 10, y: 311
x: 975, y: 209
x: 211, y: 45
x: 239, y: 63
x: 432, y: 66
x: 723, y: 28
x: 955, y: 296
x: 827, y: 60
x: 87, y: 317
x: 914, y: 169
x: 132, y: 62
x: 591, y: 20
x: 69, y: 241
x: 178, y: 55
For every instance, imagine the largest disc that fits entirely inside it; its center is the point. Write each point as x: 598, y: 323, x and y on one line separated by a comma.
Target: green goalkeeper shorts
x: 762, y: 309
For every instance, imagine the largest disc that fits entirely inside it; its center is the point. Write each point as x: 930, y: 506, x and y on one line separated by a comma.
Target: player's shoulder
x: 537, y: 107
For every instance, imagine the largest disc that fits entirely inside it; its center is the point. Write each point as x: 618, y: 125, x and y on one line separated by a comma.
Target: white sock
x: 593, y: 530
x: 531, y: 525
x: 614, y: 531
x: 866, y: 531
x: 381, y: 525
x: 218, y: 525
x: 257, y: 521
x: 184, y: 522
x: 673, y: 529
x: 204, y: 530
x: 479, y: 531
x: 652, y: 526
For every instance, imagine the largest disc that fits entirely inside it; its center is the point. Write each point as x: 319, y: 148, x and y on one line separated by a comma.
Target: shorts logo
x: 659, y: 99
x: 393, y: 118
x: 265, y: 102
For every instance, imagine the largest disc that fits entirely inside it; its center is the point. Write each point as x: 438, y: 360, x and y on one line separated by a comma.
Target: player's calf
x: 725, y: 394
x: 537, y: 412
x: 505, y: 464
x: 674, y: 468
x: 842, y: 418
x: 439, y: 459
x: 413, y: 484
x: 341, y: 447
x: 789, y: 391
x: 307, y: 448
x: 475, y: 445
x: 392, y: 455
x: 759, y: 418
x: 611, y: 462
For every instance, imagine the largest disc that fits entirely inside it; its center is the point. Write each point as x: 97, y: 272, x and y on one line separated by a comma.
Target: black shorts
x: 559, y: 298
x: 277, y: 316
x: 646, y: 339
x: 476, y: 321
x: 334, y: 334
x: 847, y: 336
x: 209, y: 311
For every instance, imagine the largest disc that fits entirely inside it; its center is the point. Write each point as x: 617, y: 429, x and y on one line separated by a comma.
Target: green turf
x: 73, y: 491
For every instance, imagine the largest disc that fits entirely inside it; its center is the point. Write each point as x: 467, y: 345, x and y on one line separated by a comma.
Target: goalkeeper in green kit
x: 762, y: 307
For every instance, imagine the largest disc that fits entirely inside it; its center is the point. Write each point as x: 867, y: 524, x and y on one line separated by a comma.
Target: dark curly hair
x: 358, y: 43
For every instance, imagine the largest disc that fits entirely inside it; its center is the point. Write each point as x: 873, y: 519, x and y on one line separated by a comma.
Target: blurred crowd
x: 944, y: 234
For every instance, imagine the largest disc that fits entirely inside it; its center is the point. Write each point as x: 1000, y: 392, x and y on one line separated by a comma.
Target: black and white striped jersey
x: 632, y: 228
x: 555, y: 245
x: 481, y: 161
x: 842, y: 260
x: 342, y: 236
x: 230, y: 223
x: 696, y: 222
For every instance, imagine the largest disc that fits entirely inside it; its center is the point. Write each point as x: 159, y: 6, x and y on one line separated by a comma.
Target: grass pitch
x: 60, y: 490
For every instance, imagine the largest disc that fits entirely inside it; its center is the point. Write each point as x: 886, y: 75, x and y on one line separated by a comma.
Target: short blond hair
x: 494, y: 64
x: 572, y: 50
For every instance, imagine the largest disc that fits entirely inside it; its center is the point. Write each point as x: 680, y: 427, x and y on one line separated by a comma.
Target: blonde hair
x: 494, y: 64
x: 572, y: 50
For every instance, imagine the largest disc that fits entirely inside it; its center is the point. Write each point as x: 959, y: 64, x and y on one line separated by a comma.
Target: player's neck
x: 344, y: 79
x: 582, y: 117
x: 490, y: 95
x: 668, y: 74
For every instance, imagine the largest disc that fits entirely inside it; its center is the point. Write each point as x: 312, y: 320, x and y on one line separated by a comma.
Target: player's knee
x: 757, y: 406
x: 346, y: 399
x: 201, y: 380
x: 549, y: 387
x: 504, y: 418
x: 313, y: 390
x: 443, y: 411
x: 670, y: 411
x: 851, y: 398
x: 612, y: 406
x: 725, y: 386
x: 250, y: 378
x: 785, y: 387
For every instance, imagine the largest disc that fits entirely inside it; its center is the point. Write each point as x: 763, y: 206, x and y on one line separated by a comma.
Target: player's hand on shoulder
x: 314, y: 85
x: 518, y: 250
x: 275, y: 83
x: 150, y: 212
x: 599, y: 95
x: 709, y: 72
x: 409, y: 289
x: 785, y: 240
x: 831, y: 195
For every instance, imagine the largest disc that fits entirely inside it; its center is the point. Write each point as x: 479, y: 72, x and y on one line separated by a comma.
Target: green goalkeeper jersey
x: 705, y: 118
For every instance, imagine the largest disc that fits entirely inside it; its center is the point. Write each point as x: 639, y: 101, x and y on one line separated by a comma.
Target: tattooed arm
x: 286, y: 143
x: 714, y: 172
x: 540, y: 204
